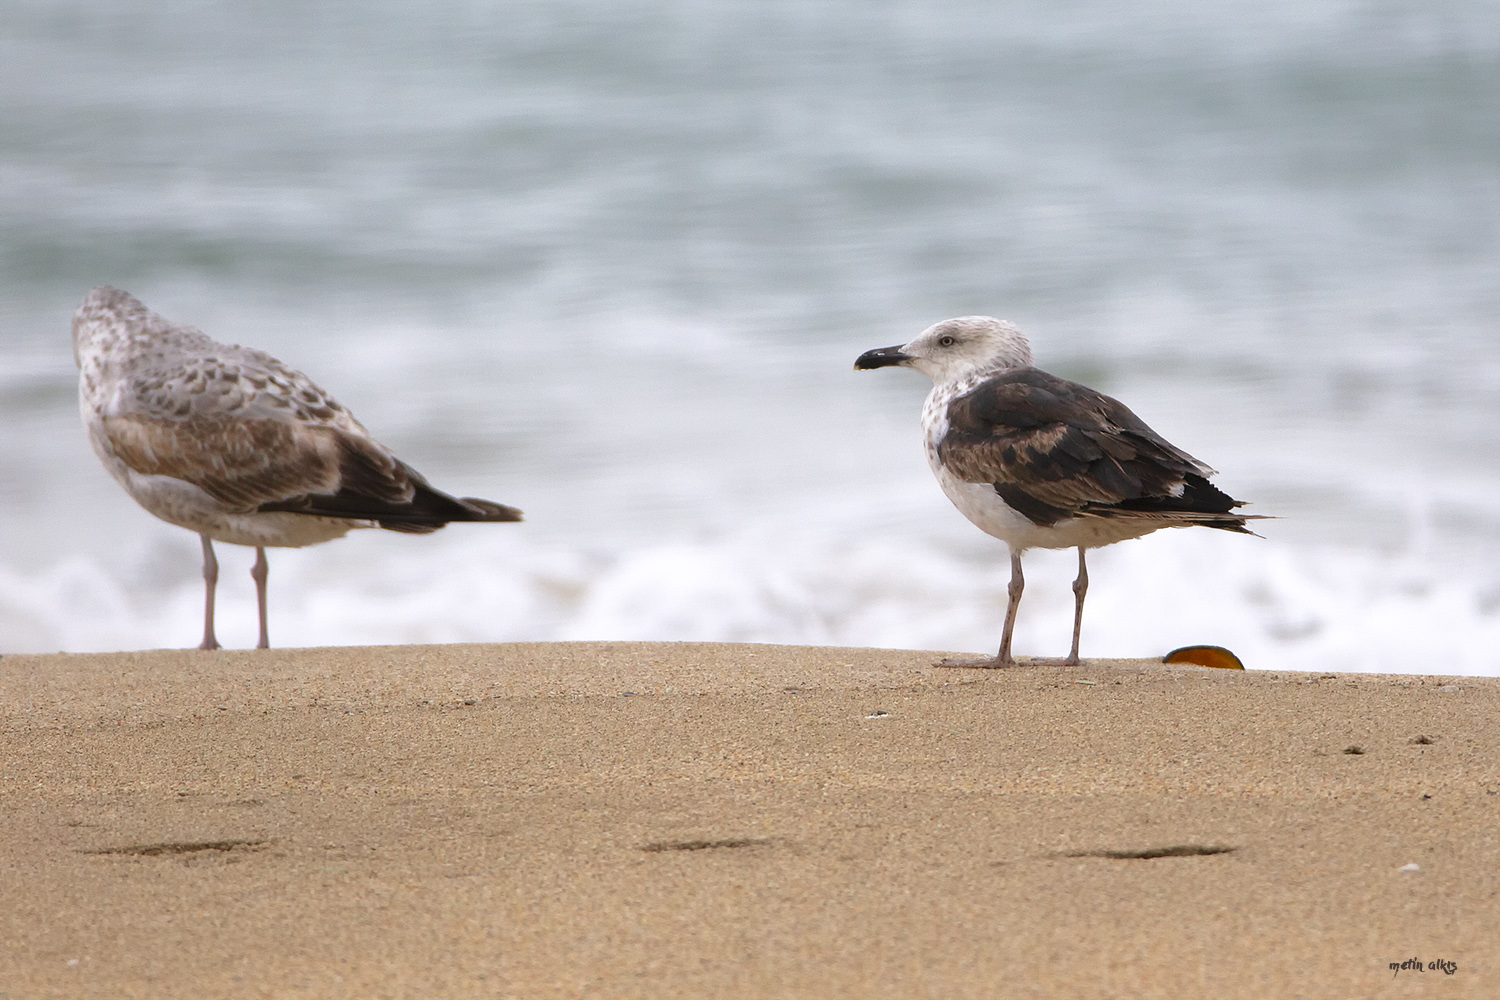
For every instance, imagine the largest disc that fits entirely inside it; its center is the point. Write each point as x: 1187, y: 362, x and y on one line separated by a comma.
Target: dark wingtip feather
x: 1240, y: 527
x: 428, y: 509
x: 488, y: 510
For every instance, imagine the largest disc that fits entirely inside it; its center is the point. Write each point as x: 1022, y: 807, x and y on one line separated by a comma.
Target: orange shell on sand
x: 1205, y: 656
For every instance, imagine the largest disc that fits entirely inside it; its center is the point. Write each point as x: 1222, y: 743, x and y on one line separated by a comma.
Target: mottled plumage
x: 230, y: 443
x: 1054, y: 449
x: 1041, y: 462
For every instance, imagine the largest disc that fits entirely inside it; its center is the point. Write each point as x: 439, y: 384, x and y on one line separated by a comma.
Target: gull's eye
x: 946, y: 341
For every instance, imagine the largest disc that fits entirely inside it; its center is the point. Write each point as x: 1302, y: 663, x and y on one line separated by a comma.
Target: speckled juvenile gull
x: 230, y: 443
x: 1041, y: 462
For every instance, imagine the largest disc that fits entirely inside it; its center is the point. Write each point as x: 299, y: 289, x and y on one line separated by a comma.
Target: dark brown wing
x: 1055, y: 449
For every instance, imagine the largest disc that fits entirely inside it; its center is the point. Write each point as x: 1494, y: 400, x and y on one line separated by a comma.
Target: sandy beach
x: 694, y: 820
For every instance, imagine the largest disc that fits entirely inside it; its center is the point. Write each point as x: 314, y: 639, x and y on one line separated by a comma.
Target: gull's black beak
x: 882, y: 357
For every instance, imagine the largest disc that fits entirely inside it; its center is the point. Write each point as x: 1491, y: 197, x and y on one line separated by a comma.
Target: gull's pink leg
x: 1004, y: 659
x: 210, y: 581
x: 258, y: 573
x: 1017, y: 584
x: 1080, y: 588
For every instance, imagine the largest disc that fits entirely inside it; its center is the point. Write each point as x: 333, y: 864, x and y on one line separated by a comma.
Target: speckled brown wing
x: 1055, y: 449
x: 258, y: 436
x: 241, y: 463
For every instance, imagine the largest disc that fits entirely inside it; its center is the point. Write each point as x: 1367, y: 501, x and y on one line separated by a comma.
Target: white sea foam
x: 1278, y: 606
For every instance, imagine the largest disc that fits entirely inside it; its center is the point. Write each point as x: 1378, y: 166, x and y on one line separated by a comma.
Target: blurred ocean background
x: 611, y: 261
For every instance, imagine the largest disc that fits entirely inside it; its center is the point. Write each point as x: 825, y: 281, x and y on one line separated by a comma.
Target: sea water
x: 611, y: 261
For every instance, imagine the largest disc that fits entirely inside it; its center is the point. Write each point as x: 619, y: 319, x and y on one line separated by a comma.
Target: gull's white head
x: 957, y: 348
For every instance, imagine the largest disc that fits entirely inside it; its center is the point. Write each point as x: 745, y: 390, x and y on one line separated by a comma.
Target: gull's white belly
x: 984, y: 507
